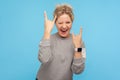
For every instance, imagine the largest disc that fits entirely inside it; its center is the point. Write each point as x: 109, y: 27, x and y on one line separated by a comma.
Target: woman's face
x: 64, y: 25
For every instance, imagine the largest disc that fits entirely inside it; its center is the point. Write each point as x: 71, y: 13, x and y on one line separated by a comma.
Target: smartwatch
x: 78, y: 49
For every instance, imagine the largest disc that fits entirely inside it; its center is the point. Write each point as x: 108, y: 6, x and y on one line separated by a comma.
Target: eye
x: 60, y: 23
x: 68, y: 22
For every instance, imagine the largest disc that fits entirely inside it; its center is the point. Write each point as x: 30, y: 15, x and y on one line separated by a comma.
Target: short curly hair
x: 63, y: 9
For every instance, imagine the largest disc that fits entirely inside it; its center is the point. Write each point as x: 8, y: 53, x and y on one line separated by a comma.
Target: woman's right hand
x: 48, y: 24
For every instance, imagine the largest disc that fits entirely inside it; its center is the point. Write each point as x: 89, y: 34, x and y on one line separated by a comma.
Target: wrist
x: 78, y: 49
x: 46, y: 35
x: 77, y: 55
x: 77, y: 46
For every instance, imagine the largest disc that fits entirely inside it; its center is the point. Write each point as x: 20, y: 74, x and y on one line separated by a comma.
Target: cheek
x: 69, y: 26
x: 58, y: 26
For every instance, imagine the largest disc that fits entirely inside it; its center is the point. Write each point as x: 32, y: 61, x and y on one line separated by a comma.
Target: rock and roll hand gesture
x: 77, y: 39
x: 48, y: 23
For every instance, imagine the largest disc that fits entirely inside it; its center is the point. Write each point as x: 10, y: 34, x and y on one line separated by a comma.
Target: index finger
x: 45, y: 15
x: 80, y: 32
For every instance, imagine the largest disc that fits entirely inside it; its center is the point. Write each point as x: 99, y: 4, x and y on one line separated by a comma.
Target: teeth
x: 64, y: 30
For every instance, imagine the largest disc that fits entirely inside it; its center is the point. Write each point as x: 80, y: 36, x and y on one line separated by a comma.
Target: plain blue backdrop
x: 22, y: 26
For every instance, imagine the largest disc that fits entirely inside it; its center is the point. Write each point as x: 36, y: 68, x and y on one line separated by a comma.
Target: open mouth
x: 63, y: 31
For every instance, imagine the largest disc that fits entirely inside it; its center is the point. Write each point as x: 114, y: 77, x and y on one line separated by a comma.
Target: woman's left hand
x: 77, y: 39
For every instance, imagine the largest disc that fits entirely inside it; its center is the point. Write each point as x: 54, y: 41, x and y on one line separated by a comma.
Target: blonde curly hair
x: 64, y: 9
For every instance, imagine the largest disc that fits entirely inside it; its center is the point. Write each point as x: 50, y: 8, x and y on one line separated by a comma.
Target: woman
x: 61, y: 54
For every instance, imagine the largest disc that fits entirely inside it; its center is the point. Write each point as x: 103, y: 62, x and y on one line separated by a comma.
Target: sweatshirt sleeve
x: 44, y: 54
x: 78, y: 64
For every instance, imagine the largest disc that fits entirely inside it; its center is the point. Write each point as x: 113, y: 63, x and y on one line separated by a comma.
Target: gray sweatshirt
x: 57, y: 58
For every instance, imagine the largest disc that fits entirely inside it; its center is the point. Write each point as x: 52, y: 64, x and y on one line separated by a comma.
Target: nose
x: 64, y: 25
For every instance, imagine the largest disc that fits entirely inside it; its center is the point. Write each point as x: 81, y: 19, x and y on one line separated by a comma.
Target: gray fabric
x: 57, y: 58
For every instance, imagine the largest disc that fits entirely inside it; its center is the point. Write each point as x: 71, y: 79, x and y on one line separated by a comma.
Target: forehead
x: 64, y: 17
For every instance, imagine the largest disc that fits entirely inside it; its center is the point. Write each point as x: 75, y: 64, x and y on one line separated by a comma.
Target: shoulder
x: 53, y: 36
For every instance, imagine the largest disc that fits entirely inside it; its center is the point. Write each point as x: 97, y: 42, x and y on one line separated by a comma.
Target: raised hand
x: 48, y: 24
x: 77, y: 39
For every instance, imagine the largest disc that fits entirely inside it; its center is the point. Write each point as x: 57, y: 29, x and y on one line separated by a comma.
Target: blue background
x: 22, y: 26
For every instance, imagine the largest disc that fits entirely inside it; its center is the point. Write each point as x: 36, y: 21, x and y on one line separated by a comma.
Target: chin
x: 64, y: 35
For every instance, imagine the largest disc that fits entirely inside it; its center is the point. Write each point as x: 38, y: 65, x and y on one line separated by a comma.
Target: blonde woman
x: 62, y: 53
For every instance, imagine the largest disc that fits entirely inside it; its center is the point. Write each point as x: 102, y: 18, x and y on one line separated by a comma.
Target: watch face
x: 79, y: 49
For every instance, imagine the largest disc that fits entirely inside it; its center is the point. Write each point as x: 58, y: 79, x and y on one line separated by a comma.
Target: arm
x: 78, y: 64
x: 79, y: 57
x: 45, y: 54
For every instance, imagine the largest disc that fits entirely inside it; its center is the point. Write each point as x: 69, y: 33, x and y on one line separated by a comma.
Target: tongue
x: 63, y: 31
